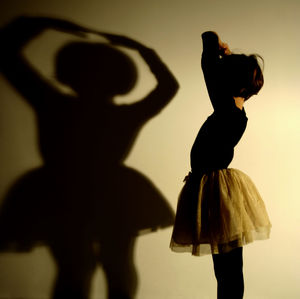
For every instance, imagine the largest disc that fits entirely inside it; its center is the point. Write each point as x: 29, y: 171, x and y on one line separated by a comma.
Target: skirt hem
x: 206, y: 248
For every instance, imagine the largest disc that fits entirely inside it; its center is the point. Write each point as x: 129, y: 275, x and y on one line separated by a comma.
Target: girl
x: 219, y: 209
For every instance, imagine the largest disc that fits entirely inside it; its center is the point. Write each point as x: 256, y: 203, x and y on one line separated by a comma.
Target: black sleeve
x: 211, y: 63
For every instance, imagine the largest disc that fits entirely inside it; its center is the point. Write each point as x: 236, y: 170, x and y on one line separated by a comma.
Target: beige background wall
x: 268, y: 151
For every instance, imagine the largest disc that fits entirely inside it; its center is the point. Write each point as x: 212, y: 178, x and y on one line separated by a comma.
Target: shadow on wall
x: 84, y: 203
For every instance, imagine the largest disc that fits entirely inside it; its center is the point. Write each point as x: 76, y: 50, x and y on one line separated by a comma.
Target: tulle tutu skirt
x: 223, y: 212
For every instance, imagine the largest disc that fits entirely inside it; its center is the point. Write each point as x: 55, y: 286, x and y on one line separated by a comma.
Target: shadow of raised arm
x: 167, y: 85
x: 15, y: 67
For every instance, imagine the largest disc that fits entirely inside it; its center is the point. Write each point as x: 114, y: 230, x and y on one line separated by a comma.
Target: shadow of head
x: 95, y: 68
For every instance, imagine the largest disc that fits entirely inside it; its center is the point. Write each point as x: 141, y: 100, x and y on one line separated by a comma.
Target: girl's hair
x: 243, y: 74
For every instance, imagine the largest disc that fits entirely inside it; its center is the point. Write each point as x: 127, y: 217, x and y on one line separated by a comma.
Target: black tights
x: 229, y: 273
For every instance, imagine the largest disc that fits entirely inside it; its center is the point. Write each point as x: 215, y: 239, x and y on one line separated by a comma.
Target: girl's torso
x: 214, y: 145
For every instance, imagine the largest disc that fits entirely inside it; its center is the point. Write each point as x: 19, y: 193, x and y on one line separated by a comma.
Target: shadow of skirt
x: 223, y: 212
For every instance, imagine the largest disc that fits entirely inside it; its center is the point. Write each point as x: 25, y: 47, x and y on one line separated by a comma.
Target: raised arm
x: 213, y: 52
x: 167, y: 85
x: 17, y: 70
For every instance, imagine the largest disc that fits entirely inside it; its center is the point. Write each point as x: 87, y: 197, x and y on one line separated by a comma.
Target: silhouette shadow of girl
x: 84, y: 203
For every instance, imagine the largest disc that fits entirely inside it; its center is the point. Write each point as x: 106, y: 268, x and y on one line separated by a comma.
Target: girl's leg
x: 229, y: 274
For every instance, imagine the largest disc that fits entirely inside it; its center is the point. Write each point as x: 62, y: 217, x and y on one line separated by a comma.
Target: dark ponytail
x: 243, y: 74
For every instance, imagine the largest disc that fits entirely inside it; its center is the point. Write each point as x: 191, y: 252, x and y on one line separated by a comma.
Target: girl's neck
x: 239, y: 102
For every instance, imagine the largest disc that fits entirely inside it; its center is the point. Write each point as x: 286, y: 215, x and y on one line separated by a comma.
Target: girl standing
x: 219, y: 208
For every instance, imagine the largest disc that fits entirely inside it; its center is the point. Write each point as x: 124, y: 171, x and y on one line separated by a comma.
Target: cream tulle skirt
x: 224, y: 212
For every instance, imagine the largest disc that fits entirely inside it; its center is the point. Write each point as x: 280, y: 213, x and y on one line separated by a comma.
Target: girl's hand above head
x: 224, y: 48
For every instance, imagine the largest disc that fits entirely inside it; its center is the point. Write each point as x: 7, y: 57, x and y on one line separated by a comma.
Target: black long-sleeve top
x: 214, y: 145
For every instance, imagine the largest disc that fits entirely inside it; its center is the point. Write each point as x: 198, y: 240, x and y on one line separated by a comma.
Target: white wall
x: 268, y: 151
